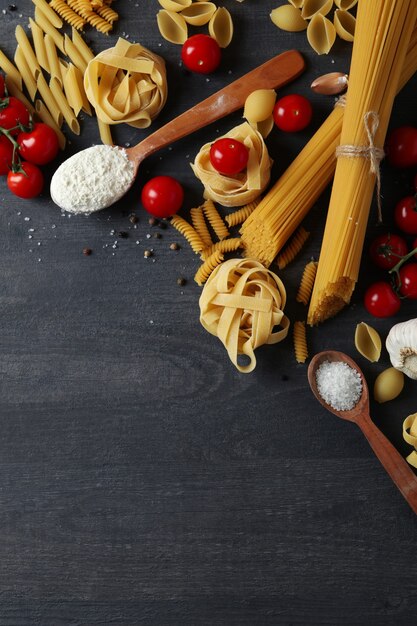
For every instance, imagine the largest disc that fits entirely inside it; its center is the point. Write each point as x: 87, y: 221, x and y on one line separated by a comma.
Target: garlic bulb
x: 402, y: 347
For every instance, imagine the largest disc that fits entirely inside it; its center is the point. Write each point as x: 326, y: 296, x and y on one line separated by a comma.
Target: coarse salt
x: 92, y: 179
x: 339, y: 385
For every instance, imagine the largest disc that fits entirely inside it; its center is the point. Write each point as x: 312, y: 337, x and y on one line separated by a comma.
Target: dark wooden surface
x: 142, y: 479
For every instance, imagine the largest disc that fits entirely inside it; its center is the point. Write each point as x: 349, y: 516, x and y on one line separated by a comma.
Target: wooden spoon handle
x: 274, y: 73
x: 396, y: 466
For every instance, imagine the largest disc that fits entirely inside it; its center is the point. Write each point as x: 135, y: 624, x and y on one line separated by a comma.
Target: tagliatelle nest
x: 241, y: 188
x: 242, y: 303
x: 126, y: 83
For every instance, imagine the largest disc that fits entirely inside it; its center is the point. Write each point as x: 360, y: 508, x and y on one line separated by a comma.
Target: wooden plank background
x: 142, y: 479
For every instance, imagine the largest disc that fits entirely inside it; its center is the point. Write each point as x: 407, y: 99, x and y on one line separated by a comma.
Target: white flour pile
x: 92, y: 179
x: 339, y: 385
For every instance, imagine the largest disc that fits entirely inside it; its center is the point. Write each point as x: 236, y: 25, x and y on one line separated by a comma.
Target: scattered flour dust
x: 92, y: 179
x: 339, y: 385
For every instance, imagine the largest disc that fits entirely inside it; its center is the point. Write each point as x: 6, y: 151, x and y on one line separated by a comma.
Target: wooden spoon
x: 396, y: 466
x: 274, y: 73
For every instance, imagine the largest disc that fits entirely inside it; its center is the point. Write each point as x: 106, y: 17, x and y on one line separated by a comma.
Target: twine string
x: 370, y: 152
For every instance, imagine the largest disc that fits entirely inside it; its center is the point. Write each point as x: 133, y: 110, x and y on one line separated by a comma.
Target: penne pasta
x: 39, y: 44
x: 43, y: 23
x: 74, y: 90
x: 10, y: 70
x: 23, y: 67
x: 49, y: 13
x: 14, y: 91
x: 49, y: 100
x: 81, y: 46
x: 63, y: 105
x: 27, y: 50
x: 53, y: 61
x: 74, y: 54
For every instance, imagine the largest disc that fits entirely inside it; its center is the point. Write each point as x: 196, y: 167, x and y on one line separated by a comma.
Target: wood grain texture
x: 142, y: 479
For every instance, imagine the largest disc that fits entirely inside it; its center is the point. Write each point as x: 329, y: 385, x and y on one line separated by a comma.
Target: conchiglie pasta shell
x: 345, y: 5
x: 311, y: 7
x: 368, y: 342
x: 172, y: 26
x: 175, y: 5
x: 259, y: 105
x: 287, y: 17
x: 264, y: 127
x: 344, y: 24
x: 221, y: 27
x: 199, y: 13
x: 321, y: 34
x: 388, y: 385
x: 298, y: 4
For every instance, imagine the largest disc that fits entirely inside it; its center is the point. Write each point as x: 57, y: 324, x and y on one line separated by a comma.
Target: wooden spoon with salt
x: 396, y: 466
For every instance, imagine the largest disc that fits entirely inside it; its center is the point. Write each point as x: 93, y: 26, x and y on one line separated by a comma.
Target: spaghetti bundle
x: 284, y: 207
x: 382, y: 37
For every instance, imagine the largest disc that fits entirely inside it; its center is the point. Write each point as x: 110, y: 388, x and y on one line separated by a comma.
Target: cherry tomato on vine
x: 201, y: 54
x: 6, y: 155
x: 13, y: 113
x: 2, y: 89
x: 229, y: 156
x: 162, y: 196
x: 40, y: 145
x: 386, y: 250
x: 408, y: 279
x: 401, y: 146
x: 381, y: 300
x: 27, y: 182
x: 405, y: 215
x: 292, y: 113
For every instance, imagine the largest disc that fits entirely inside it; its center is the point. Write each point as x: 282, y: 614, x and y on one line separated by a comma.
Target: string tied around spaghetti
x: 370, y: 152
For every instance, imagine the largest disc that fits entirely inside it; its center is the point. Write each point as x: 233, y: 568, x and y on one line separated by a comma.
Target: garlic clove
x: 401, y: 344
x: 330, y: 84
x: 368, y: 342
x: 388, y: 385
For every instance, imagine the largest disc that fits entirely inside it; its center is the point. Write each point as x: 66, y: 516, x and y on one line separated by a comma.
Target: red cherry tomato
x: 12, y: 114
x: 27, y: 183
x: 408, y: 279
x: 401, y: 146
x: 2, y: 89
x: 292, y: 113
x: 40, y: 145
x: 386, y: 250
x: 405, y: 215
x: 6, y: 155
x: 381, y: 300
x: 162, y: 196
x: 201, y: 54
x: 229, y: 156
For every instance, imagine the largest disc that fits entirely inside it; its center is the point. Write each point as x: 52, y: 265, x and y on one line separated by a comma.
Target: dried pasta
x: 321, y: 34
x: 215, y: 220
x: 207, y: 267
x: 126, y: 83
x: 300, y: 342
x: 28, y: 52
x: 382, y: 37
x: 314, y: 7
x: 293, y: 248
x: 259, y: 105
x: 345, y: 5
x: 199, y: 223
x: 26, y: 74
x: 175, y: 5
x: 68, y: 14
x: 43, y: 23
x: 100, y: 24
x: 187, y: 231
x: 49, y: 100
x: 288, y: 17
x: 53, y: 61
x: 14, y: 90
x: 344, y: 24
x: 172, y: 26
x: 108, y: 14
x: 10, y: 70
x: 410, y: 436
x: 221, y: 27
x: 105, y: 132
x: 49, y: 13
x: 73, y: 53
x: 74, y: 90
x: 63, y: 105
x: 241, y: 304
x: 39, y: 44
x: 225, y: 246
x: 307, y: 283
x: 199, y: 13
x: 243, y: 187
x: 83, y: 49
x: 239, y: 216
